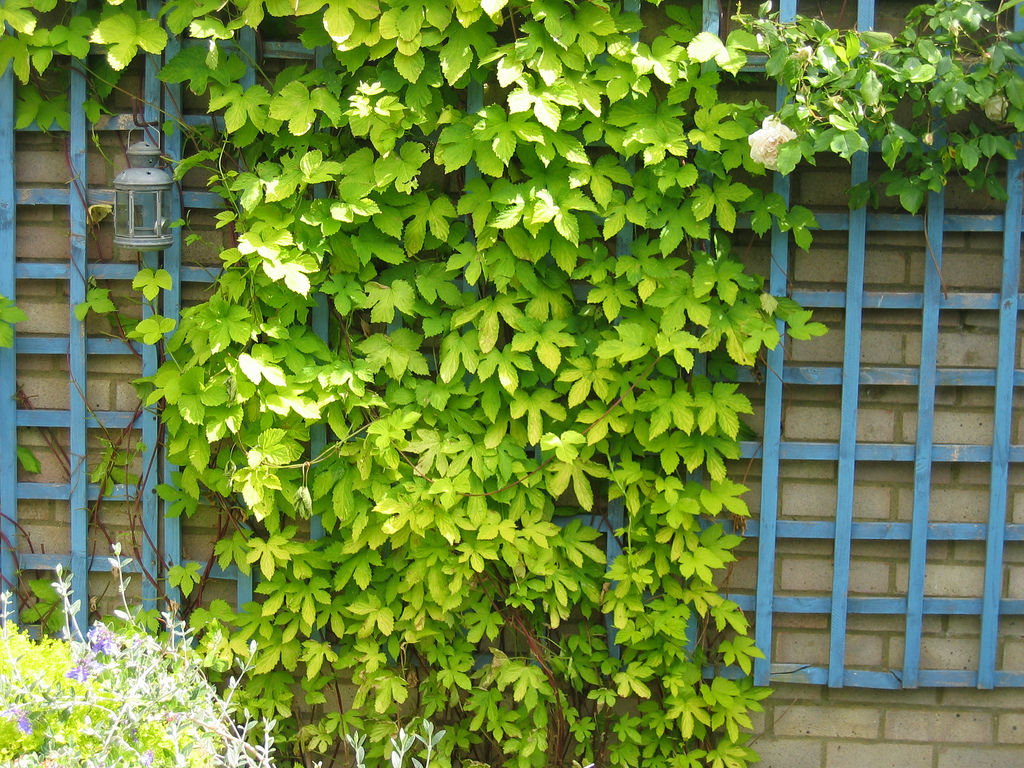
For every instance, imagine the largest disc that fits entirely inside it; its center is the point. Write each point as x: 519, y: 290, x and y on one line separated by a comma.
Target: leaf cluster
x: 516, y: 219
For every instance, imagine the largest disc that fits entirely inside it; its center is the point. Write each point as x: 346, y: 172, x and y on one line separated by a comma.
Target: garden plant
x: 118, y: 697
x: 519, y: 431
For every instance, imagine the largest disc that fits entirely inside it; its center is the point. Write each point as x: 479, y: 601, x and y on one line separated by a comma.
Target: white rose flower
x: 803, y: 54
x: 996, y: 107
x: 764, y: 143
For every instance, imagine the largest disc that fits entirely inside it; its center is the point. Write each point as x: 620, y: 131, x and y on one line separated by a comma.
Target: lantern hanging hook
x: 139, y: 119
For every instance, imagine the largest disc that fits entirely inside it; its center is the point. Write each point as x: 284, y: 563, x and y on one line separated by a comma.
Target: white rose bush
x: 956, y: 61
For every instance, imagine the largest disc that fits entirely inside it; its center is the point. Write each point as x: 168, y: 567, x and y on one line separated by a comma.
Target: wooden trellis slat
x: 926, y: 383
x: 1002, y: 452
x: 8, y: 355
x: 78, y: 142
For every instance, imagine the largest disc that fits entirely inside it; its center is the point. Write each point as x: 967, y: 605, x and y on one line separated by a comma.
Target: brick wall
x: 803, y: 726
x: 814, y: 727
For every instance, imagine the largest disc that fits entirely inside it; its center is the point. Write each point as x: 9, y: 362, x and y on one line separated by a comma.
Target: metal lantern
x: 142, y: 201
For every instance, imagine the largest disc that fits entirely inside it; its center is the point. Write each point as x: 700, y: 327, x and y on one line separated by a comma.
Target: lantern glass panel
x: 163, y: 208
x: 122, y: 222
x: 144, y: 213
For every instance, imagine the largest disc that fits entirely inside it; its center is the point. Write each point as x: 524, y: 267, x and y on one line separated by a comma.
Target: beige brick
x: 52, y: 539
x: 34, y: 214
x: 42, y: 243
x: 808, y: 470
x: 881, y: 347
x: 820, y: 350
x: 753, y: 495
x: 966, y: 427
x: 949, y: 653
x: 878, y: 755
x: 917, y: 697
x: 980, y: 757
x: 38, y: 289
x: 958, y: 505
x: 886, y: 268
x: 47, y: 391
x: 869, y: 577
x: 875, y: 425
x: 802, y: 575
x: 740, y: 578
x: 812, y: 268
x: 962, y: 348
x: 197, y: 545
x: 891, y: 551
x: 790, y: 753
x: 41, y: 167
x: 864, y: 650
x: 45, y: 319
x: 953, y: 580
x: 1013, y: 554
x: 758, y: 723
x: 976, y: 397
x: 895, y: 650
x: 999, y: 698
x: 126, y: 398
x: 51, y: 462
x: 972, y: 474
x: 871, y: 503
x: 1017, y: 510
x: 807, y: 500
x: 812, y: 423
x: 829, y: 722
x: 98, y: 394
x: 1015, y: 584
x: 36, y: 363
x: 788, y: 693
x: 889, y: 473
x: 978, y: 270
x: 100, y: 170
x: 123, y: 366
x: 971, y: 428
x: 1010, y: 728
x: 800, y: 647
x: 1013, y: 655
x: 1011, y: 627
x: 863, y: 622
x: 35, y: 511
x: 938, y: 726
x: 964, y: 552
x: 801, y: 620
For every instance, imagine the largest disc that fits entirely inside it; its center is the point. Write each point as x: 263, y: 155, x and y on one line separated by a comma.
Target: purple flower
x: 102, y: 640
x: 21, y: 719
x: 85, y: 667
x: 147, y: 758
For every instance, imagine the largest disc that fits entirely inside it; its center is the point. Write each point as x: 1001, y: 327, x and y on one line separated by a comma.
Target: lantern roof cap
x: 143, y: 154
x: 143, y: 179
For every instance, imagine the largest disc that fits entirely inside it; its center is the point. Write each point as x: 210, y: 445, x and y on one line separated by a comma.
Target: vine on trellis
x: 498, y: 356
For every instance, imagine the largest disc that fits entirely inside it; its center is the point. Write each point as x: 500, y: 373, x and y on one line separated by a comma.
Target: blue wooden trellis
x: 158, y: 539
x: 774, y: 452
x: 161, y: 538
